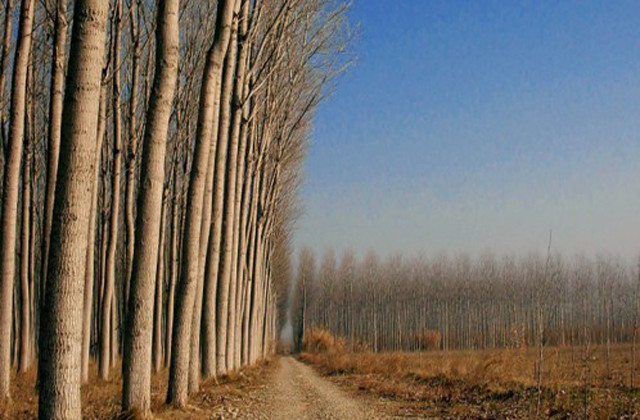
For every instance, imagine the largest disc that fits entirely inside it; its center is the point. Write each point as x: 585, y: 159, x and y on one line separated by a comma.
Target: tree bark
x: 61, y: 329
x: 222, y: 207
x: 175, y: 228
x: 25, y: 315
x: 55, y: 121
x: 240, y: 141
x: 179, y: 370
x: 133, y: 146
x: 109, y: 301
x: 11, y: 187
x: 139, y: 327
x: 89, y: 275
x: 157, y: 310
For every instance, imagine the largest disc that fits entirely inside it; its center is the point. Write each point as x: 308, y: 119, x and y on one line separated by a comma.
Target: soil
x: 282, y: 388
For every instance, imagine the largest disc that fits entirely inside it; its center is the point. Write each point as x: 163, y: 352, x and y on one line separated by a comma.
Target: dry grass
x: 101, y: 399
x: 488, y: 383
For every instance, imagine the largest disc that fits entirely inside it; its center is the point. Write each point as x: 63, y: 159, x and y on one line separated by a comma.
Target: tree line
x: 150, y: 160
x: 446, y: 303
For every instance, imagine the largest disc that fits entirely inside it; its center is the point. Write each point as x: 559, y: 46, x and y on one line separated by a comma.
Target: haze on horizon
x: 474, y: 126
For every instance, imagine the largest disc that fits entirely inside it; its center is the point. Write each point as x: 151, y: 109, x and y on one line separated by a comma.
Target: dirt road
x: 295, y: 391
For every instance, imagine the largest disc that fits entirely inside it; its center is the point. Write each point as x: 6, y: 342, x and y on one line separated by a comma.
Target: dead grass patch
x: 488, y: 383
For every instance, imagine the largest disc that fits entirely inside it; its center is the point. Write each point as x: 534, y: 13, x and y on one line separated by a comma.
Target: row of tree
x: 150, y: 162
x: 413, y: 304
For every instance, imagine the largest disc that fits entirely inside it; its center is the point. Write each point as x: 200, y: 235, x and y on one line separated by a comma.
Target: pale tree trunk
x: 107, y: 344
x: 208, y: 255
x: 253, y: 268
x: 240, y: 142
x: 16, y: 328
x: 113, y: 335
x: 104, y: 239
x: 25, y: 319
x: 223, y: 206
x: 139, y: 327
x: 175, y: 228
x: 55, y: 120
x: 205, y: 230
x: 245, y: 244
x: 89, y: 275
x: 179, y: 370
x: 133, y: 146
x: 61, y: 329
x: 29, y: 180
x: 157, y: 310
x: 11, y: 187
x: 32, y: 249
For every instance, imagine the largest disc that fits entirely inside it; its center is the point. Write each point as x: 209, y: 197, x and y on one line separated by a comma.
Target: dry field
x: 577, y: 382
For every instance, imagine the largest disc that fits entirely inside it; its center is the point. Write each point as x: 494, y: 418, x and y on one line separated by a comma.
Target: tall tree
x: 133, y: 141
x: 137, y: 351
x: 186, y: 287
x: 108, y: 345
x: 55, y: 121
x: 89, y: 277
x: 11, y: 188
x: 224, y: 161
x: 61, y: 328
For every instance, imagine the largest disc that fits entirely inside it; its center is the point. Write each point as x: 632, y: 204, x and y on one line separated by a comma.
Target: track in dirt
x: 295, y: 391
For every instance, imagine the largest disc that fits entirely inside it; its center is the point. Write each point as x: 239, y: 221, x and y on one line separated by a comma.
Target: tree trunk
x: 179, y: 370
x: 225, y: 190
x: 25, y: 320
x: 175, y: 228
x: 138, y: 336
x: 61, y: 329
x: 133, y: 147
x: 109, y: 301
x: 11, y: 187
x: 55, y: 120
x: 239, y: 140
x: 157, y: 310
x: 89, y: 275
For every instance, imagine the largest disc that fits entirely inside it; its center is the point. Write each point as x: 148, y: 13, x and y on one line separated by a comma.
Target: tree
x: 11, y: 187
x: 186, y: 287
x: 61, y: 329
x: 55, y: 116
x: 139, y: 326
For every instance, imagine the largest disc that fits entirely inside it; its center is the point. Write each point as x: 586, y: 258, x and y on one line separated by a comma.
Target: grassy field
x: 578, y: 382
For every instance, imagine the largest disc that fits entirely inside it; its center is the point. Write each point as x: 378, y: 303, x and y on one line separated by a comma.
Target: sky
x: 475, y: 126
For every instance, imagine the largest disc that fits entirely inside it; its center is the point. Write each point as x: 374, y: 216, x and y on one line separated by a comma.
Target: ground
x: 282, y: 388
x: 449, y: 385
x: 576, y: 383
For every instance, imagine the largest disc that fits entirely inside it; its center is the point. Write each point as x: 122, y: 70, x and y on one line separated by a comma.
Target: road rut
x: 296, y: 391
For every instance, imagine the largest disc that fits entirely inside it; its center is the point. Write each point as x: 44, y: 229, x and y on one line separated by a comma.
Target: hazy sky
x: 468, y: 126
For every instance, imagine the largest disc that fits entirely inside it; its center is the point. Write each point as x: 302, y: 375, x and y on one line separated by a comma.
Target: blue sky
x: 468, y: 126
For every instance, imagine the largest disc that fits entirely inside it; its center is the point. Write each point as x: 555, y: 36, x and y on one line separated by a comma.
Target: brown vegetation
x: 483, y: 383
x: 101, y: 399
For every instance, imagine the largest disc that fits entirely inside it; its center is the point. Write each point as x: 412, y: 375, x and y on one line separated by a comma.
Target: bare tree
x: 137, y: 375
x: 55, y: 116
x: 61, y: 329
x: 11, y: 187
x: 186, y: 287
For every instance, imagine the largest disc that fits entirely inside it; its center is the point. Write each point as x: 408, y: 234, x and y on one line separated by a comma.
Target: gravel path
x: 295, y: 391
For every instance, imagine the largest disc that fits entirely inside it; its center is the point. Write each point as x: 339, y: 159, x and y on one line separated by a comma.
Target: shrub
x: 317, y: 340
